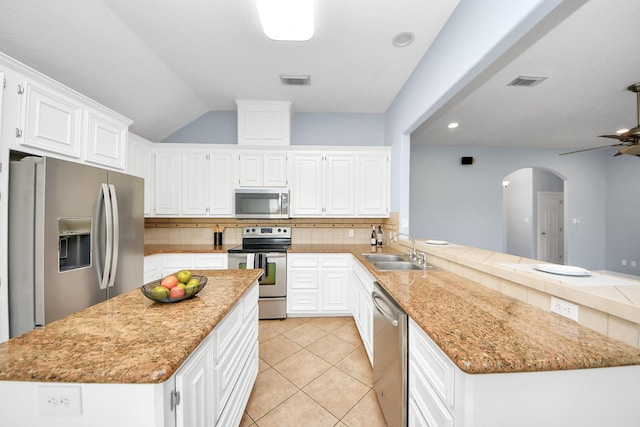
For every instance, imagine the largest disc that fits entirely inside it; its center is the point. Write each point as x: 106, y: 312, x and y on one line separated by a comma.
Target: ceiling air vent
x: 295, y: 80
x: 526, y: 81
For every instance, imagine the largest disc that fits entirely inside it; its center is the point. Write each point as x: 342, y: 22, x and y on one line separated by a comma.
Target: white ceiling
x: 590, y: 58
x: 163, y: 63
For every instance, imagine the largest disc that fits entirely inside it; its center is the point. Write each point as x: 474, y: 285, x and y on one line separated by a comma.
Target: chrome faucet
x: 412, y: 254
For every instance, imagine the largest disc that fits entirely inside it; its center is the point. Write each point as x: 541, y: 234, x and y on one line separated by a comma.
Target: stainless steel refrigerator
x: 76, y: 238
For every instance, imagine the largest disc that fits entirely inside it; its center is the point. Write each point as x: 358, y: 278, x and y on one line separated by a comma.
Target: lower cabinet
x: 318, y: 284
x: 160, y: 265
x: 362, y: 306
x: 213, y: 386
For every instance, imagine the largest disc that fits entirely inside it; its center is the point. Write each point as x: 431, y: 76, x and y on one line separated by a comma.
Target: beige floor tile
x: 262, y: 365
x: 266, y: 332
x: 246, y: 421
x: 329, y: 324
x: 277, y: 349
x: 336, y: 391
x: 331, y: 348
x: 305, y: 334
x: 302, y: 367
x: 270, y: 390
x: 283, y: 326
x: 299, y: 410
x: 358, y: 366
x: 349, y: 332
x: 366, y: 413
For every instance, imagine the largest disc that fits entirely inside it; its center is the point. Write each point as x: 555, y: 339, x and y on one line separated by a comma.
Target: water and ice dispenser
x: 74, y: 243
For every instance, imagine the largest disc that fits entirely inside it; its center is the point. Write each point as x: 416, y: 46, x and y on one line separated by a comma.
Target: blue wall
x: 221, y: 127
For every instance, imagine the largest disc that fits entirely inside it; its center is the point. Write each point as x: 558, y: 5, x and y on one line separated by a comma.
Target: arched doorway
x: 533, y: 204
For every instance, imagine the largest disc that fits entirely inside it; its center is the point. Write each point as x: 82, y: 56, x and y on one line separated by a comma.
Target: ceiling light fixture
x: 621, y: 131
x: 286, y: 20
x: 402, y: 39
x: 453, y: 125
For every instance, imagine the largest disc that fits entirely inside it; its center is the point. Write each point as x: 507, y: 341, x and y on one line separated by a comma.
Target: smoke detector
x: 295, y: 80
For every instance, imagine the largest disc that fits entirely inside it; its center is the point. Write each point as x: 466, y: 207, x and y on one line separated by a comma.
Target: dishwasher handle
x: 377, y: 299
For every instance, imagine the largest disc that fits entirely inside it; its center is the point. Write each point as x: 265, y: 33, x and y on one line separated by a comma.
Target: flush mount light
x: 402, y: 39
x: 621, y: 131
x: 286, y: 20
x: 453, y: 125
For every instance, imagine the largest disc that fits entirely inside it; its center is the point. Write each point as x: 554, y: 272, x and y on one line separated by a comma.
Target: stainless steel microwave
x: 261, y: 203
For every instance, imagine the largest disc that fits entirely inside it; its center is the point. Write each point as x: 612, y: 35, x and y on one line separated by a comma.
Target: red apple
x: 169, y: 282
x: 177, y: 292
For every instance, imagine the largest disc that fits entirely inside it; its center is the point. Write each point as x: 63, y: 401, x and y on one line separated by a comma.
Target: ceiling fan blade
x: 594, y: 148
x: 633, y: 150
x: 614, y: 136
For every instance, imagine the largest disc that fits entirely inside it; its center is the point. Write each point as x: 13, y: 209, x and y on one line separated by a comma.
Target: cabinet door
x: 168, y: 183
x: 140, y: 163
x: 251, y: 169
x: 106, y: 140
x: 275, y: 170
x: 195, y: 183
x: 50, y: 121
x: 334, y: 291
x: 372, y: 185
x: 340, y: 173
x: 306, y: 188
x: 222, y: 180
x: 194, y: 382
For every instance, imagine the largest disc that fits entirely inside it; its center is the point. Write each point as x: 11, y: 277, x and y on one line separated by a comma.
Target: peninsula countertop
x: 483, y: 331
x: 126, y: 339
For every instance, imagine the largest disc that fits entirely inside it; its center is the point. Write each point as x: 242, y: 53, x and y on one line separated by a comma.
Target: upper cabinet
x: 337, y: 183
x: 264, y: 123
x: 262, y: 169
x: 55, y: 120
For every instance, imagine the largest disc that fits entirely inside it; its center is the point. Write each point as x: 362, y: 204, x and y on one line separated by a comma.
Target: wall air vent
x: 526, y: 81
x: 295, y: 80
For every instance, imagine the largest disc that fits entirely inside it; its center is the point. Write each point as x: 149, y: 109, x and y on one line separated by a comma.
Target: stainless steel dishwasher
x: 390, y: 357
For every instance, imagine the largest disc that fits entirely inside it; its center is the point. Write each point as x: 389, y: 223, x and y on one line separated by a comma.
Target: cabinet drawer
x: 210, y: 262
x: 303, y: 302
x: 177, y: 261
x: 304, y: 279
x: 227, y: 330
x: 233, y: 410
x: 302, y: 261
x: 432, y: 363
x: 335, y: 261
x: 426, y: 400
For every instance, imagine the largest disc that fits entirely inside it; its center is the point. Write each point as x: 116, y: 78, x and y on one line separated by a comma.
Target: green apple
x: 183, y: 276
x: 159, y: 292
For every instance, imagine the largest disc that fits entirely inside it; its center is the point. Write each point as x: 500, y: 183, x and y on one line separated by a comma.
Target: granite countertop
x: 126, y: 339
x: 179, y: 249
x: 483, y: 331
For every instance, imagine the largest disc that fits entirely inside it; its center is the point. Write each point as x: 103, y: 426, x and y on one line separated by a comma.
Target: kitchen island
x: 120, y: 361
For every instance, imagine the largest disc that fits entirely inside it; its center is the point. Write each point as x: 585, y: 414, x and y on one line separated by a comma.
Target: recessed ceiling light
x: 286, y: 20
x: 453, y: 125
x: 402, y: 39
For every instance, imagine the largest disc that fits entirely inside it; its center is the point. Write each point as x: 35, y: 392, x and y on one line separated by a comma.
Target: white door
x: 550, y: 226
x: 251, y: 170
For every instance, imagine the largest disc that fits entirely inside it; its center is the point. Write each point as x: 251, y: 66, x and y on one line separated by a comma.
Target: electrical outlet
x: 59, y: 400
x: 564, y: 308
x: 351, y: 232
x: 633, y: 263
x: 623, y: 262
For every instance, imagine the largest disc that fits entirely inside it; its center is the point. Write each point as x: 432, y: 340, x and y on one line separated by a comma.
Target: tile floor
x: 314, y: 372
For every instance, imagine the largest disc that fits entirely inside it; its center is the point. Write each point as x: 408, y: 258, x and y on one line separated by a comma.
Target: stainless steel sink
x: 385, y: 257
x: 398, y: 265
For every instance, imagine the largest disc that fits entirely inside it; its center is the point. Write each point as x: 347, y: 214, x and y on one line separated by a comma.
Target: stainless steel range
x: 265, y: 248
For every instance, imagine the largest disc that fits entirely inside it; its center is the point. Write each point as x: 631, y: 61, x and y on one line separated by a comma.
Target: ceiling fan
x: 630, y: 139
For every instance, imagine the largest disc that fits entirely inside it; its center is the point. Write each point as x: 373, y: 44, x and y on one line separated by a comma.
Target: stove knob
x: 279, y: 230
x: 253, y: 230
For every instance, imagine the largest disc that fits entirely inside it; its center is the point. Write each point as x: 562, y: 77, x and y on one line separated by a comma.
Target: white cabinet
x: 222, y: 179
x: 195, y: 183
x: 152, y: 268
x: 340, y: 183
x: 362, y: 306
x: 264, y: 123
x: 194, y: 386
x: 140, y: 163
x: 106, y: 140
x: 318, y: 284
x: 339, y: 188
x: 372, y: 185
x: 307, y: 185
x: 172, y: 263
x: 260, y: 169
x: 49, y: 120
x: 168, y: 183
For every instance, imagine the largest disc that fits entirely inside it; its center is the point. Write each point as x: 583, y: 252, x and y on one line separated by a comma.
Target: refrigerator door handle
x: 116, y: 235
x: 108, y: 218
